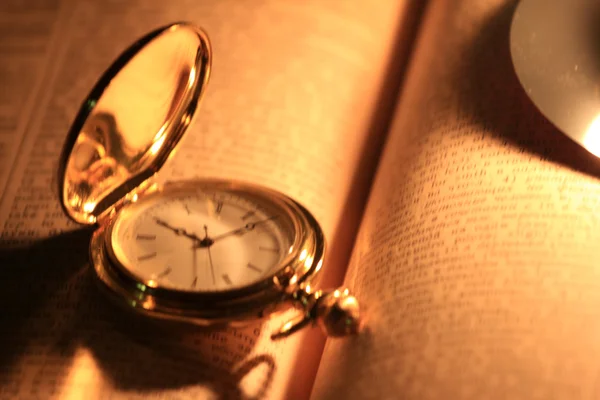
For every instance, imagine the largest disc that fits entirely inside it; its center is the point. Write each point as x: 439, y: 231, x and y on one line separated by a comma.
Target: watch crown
x: 337, y: 312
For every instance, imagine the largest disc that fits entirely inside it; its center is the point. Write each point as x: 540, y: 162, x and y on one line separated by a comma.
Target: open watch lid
x: 555, y: 49
x: 132, y: 120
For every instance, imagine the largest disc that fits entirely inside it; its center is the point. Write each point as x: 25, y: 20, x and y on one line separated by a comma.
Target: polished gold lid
x: 555, y: 49
x: 132, y: 120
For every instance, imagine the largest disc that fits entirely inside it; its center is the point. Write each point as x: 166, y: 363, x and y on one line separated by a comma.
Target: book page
x: 477, y: 258
x: 297, y: 101
x: 28, y: 31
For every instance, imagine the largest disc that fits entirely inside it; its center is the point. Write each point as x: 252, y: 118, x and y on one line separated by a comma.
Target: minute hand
x: 246, y: 228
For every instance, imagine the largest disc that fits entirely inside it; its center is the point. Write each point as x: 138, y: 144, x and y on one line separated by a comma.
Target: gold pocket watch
x: 207, y: 252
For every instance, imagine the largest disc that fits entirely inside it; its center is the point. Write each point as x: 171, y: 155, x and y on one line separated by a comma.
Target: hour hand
x: 177, y: 231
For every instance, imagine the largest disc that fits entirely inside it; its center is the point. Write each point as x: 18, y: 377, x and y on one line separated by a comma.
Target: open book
x: 465, y: 223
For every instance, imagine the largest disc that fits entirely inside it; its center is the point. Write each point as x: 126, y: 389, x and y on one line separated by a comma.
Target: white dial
x: 201, y: 240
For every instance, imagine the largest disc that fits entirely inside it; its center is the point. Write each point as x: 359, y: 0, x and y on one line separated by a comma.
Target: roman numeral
x: 219, y: 207
x: 274, y: 250
x: 145, y: 237
x: 227, y: 279
x: 147, y: 256
x: 249, y: 214
x: 253, y: 267
x: 164, y: 273
x: 194, y: 282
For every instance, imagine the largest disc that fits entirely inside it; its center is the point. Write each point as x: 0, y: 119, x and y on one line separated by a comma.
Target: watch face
x: 202, y: 240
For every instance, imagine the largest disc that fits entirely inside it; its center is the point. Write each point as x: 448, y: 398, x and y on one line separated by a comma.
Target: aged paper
x: 27, y: 42
x: 477, y: 258
x: 291, y: 104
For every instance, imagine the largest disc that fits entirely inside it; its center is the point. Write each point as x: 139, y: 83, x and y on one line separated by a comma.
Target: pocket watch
x: 202, y: 251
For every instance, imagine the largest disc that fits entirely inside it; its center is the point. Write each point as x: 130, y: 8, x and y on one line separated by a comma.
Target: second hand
x: 195, y: 262
x: 212, y: 268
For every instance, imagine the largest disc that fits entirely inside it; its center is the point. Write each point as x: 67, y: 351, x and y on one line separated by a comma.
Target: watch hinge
x: 148, y: 186
x: 107, y: 215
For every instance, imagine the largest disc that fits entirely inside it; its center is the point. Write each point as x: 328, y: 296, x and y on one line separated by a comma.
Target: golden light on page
x: 83, y: 373
x: 591, y: 140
